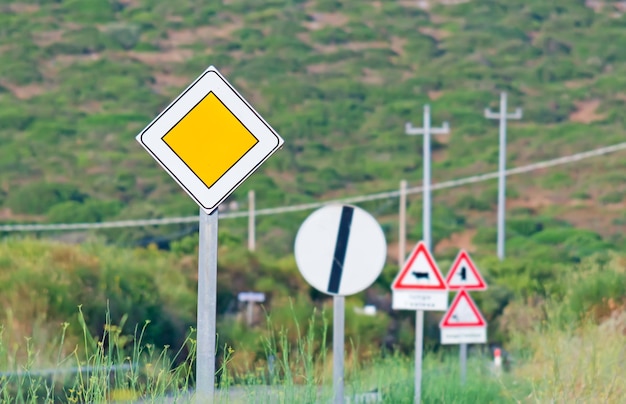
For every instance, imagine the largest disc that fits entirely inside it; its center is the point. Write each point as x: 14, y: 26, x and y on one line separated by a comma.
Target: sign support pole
x: 463, y: 355
x: 502, y: 116
x: 426, y: 131
x: 338, y: 346
x: 207, y: 307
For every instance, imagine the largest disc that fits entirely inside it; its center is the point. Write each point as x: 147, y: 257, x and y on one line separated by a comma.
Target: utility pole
x: 402, y: 229
x: 502, y: 115
x: 251, y: 222
x: 425, y: 131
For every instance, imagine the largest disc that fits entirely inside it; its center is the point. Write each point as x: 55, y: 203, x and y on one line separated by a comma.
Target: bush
x: 88, y: 212
x: 485, y: 235
x: 613, y: 197
x: 524, y: 227
x: 595, y: 286
x: 81, y: 41
x: 330, y: 36
x: 124, y: 35
x: 473, y: 203
x: 39, y: 197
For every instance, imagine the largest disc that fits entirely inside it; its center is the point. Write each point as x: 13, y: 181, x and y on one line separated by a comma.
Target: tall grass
x: 121, y: 368
x: 96, y: 370
x: 580, y: 363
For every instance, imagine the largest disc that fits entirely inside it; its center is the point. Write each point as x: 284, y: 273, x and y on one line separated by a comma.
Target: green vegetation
x: 338, y: 80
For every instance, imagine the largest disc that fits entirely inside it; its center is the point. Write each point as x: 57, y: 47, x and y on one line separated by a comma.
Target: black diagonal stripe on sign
x: 340, y: 249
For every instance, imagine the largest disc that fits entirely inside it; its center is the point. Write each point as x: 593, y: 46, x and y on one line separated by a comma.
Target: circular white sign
x: 340, y: 249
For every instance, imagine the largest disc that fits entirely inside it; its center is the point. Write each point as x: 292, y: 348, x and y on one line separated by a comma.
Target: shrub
x: 485, y: 235
x: 124, y: 35
x: 87, y: 212
x: 524, y: 227
x: 473, y: 203
x: 39, y: 197
x: 330, y: 35
x: 613, y: 197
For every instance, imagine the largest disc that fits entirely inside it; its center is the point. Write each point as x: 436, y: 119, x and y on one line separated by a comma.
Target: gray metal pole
x: 426, y: 181
x: 338, y: 346
x: 207, y: 307
x: 249, y: 312
x: 402, y: 223
x: 426, y: 131
x: 463, y: 355
x: 502, y: 116
x: 502, y: 177
x: 251, y: 221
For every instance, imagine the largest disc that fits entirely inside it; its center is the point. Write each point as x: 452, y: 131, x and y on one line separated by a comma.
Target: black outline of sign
x: 226, y: 194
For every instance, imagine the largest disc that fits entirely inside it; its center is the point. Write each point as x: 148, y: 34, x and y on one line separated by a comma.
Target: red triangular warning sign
x: 464, y: 275
x: 420, y: 272
x: 463, y: 313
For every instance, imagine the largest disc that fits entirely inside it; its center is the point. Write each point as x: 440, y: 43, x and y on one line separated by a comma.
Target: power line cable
x: 314, y: 205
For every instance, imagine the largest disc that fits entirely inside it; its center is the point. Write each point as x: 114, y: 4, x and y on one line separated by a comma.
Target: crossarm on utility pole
x: 496, y: 115
x: 409, y: 129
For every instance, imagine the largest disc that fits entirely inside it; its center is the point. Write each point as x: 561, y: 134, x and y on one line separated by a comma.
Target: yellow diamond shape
x: 210, y: 139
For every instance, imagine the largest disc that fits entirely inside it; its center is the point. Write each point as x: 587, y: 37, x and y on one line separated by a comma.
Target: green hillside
x: 337, y: 80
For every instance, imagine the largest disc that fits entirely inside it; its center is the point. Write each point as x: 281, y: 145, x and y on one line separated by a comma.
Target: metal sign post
x: 339, y: 314
x: 502, y: 115
x: 464, y: 275
x: 207, y: 306
x: 340, y: 250
x: 426, y: 131
x: 209, y: 121
x: 250, y: 298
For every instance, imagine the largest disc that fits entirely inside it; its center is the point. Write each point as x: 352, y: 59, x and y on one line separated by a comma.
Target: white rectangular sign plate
x: 464, y: 335
x: 415, y: 300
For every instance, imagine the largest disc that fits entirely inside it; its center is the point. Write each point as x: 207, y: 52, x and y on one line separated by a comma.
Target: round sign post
x: 340, y: 250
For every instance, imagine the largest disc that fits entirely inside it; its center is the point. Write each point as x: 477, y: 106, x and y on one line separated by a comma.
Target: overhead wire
x: 314, y: 205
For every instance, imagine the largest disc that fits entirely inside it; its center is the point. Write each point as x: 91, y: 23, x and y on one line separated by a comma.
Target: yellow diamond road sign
x: 210, y: 139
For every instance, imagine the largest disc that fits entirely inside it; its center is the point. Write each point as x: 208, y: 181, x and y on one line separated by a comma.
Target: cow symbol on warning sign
x: 419, y: 285
x: 420, y: 272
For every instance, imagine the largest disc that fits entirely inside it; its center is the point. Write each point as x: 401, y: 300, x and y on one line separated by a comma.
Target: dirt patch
x: 534, y: 199
x: 47, y: 38
x: 461, y: 240
x: 437, y: 34
x: 371, y: 77
x: 22, y: 8
x: 24, y: 92
x: 322, y: 20
x: 157, y: 58
x: 586, y: 112
x: 574, y: 84
x: 423, y: 4
x: 165, y: 80
x: 435, y: 95
x: 397, y: 45
x: 206, y: 34
x: 91, y: 107
x: 359, y: 46
x: 7, y: 214
x: 321, y: 68
x: 530, y: 91
x: 595, y: 5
